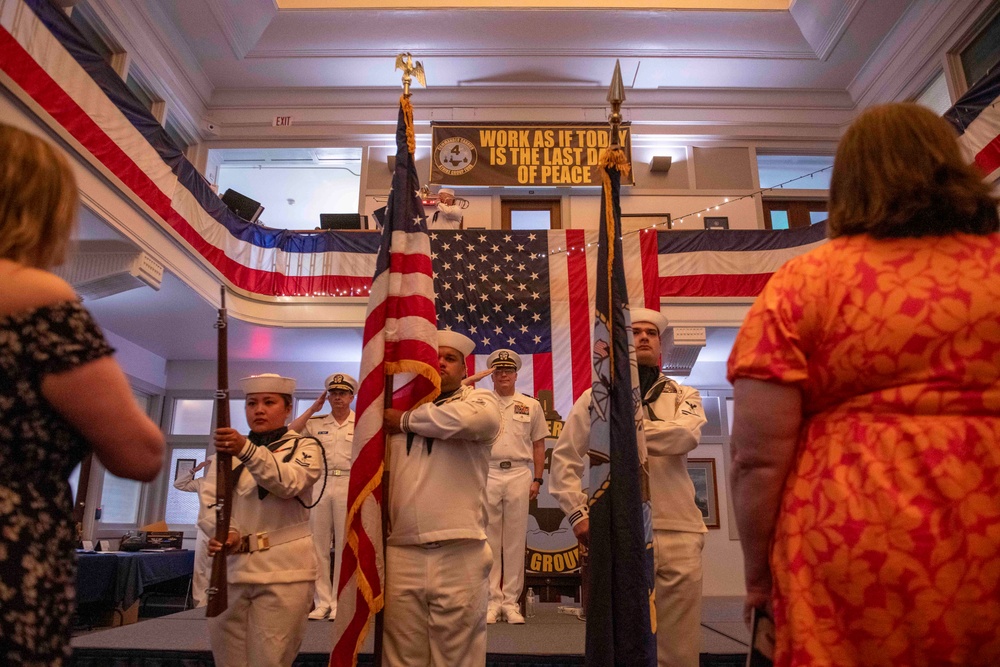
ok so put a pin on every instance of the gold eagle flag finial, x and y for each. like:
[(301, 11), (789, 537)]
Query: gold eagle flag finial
[(411, 69)]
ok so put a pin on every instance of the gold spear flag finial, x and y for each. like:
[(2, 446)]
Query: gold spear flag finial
[(404, 61), (616, 95)]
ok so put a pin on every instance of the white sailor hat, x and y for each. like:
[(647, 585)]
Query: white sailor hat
[(267, 383), (504, 359), (446, 191), (341, 381), (654, 317), (463, 344)]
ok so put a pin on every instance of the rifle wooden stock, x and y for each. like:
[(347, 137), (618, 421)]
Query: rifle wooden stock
[(218, 597)]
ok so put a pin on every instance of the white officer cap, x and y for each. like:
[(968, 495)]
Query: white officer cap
[(654, 317), (446, 191), (341, 381), (504, 359), (267, 383), (463, 344)]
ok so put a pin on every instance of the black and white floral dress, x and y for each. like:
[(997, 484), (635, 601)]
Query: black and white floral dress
[(38, 451)]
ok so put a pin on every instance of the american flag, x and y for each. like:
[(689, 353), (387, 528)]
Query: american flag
[(400, 339), (532, 292), (976, 116)]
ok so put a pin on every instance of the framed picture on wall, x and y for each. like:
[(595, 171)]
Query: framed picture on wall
[(183, 465), (706, 493)]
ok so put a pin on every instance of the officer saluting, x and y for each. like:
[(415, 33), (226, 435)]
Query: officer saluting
[(518, 450), (335, 431)]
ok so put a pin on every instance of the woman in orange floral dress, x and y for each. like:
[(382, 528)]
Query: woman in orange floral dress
[(866, 439)]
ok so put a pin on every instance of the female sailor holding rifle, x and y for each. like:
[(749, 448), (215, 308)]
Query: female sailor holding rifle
[(272, 562)]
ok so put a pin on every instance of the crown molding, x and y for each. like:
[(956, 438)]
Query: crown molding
[(823, 23), (160, 53), (899, 67), (243, 22)]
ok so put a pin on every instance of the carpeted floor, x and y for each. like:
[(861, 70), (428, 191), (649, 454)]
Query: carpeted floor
[(548, 638)]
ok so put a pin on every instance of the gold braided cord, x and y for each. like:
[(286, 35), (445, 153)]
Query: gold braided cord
[(611, 158), (411, 139)]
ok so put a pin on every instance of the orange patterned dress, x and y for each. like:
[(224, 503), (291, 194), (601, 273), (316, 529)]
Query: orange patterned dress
[(887, 545)]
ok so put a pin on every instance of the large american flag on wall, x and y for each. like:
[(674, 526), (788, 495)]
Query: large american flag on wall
[(532, 292)]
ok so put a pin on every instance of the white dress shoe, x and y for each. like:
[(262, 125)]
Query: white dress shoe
[(492, 616), (318, 614), (513, 616)]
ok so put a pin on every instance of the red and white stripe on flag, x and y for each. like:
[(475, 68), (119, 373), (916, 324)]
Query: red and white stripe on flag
[(567, 370)]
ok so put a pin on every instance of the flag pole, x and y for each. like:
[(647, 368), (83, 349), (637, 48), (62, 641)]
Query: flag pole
[(411, 69), (380, 614)]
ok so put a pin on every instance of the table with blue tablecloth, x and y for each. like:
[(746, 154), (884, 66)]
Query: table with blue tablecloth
[(118, 579)]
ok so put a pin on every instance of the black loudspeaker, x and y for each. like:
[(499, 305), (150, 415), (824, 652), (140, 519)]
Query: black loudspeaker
[(241, 205), (379, 215), (341, 221)]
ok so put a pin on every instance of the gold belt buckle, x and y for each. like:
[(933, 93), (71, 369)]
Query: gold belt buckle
[(263, 543), (337, 472)]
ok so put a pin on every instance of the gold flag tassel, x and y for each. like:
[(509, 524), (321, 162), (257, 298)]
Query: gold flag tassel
[(411, 138)]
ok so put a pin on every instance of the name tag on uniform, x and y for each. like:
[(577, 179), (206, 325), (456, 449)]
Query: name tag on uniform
[(322, 432)]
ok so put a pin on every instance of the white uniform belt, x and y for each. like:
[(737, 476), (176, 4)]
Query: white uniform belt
[(265, 539), (508, 464), (338, 472)]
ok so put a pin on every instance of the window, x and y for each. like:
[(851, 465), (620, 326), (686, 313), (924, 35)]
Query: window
[(530, 214), (121, 499), (139, 90), (935, 96), (983, 53), (192, 416), (182, 506), (790, 171), (792, 213)]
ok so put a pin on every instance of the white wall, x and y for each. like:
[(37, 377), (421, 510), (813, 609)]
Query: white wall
[(138, 362)]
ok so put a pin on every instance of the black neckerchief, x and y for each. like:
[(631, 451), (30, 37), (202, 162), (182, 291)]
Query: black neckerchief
[(648, 375), (651, 384), (440, 400), (265, 439)]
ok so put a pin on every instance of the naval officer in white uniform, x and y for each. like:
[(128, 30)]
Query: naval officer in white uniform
[(335, 431), (437, 559), (516, 465), (672, 419)]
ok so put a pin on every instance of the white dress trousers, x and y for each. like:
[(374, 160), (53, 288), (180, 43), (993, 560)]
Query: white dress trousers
[(435, 612), (202, 571), (326, 519), (276, 613), (507, 509), (678, 597), (327, 522)]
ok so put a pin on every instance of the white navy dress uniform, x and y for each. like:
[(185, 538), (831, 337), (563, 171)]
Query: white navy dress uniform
[(327, 517), (522, 422), (272, 574), (673, 418), (437, 558), (186, 481), (448, 216)]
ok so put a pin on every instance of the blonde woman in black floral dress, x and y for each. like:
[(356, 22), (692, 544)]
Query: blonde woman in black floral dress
[(61, 395)]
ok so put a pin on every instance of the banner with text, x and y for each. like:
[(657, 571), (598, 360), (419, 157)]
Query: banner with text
[(521, 153)]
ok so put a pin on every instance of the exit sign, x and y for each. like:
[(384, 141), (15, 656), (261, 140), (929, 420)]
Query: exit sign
[(282, 121)]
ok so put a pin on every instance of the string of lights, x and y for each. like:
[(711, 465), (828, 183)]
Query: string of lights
[(364, 291), (698, 213)]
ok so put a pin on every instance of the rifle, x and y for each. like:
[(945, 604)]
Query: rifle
[(218, 598)]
